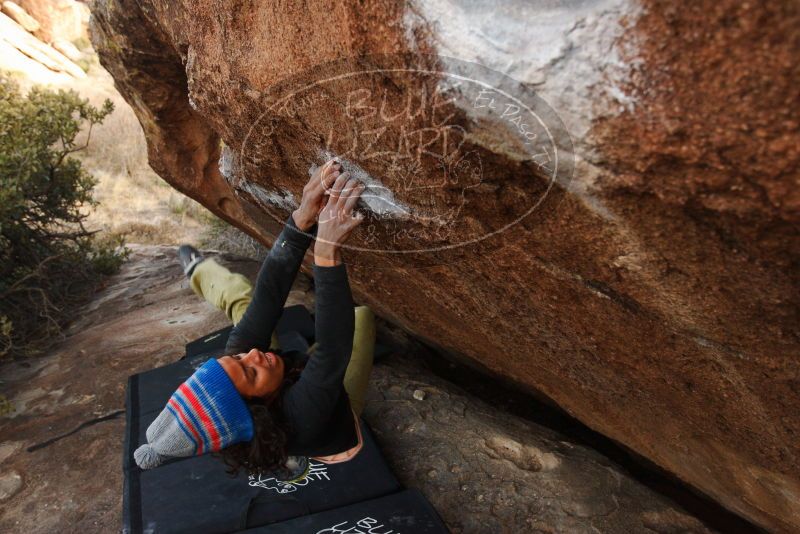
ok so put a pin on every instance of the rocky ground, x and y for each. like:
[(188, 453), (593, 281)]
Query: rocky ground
[(484, 469)]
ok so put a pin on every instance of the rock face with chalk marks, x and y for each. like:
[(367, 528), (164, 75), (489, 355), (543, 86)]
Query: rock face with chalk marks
[(615, 230)]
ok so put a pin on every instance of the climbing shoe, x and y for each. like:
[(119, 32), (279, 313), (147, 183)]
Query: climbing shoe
[(189, 258)]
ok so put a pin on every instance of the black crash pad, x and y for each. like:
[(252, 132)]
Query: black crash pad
[(196, 495), (406, 512)]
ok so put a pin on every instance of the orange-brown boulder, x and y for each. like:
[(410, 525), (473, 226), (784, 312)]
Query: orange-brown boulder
[(57, 19), (597, 200)]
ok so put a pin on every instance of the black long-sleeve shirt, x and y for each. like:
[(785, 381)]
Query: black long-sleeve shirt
[(316, 407)]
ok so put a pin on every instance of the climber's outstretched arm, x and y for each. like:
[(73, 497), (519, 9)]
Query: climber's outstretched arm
[(321, 382), (281, 265), (272, 287)]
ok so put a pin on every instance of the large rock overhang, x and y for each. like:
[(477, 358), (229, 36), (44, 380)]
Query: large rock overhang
[(648, 285)]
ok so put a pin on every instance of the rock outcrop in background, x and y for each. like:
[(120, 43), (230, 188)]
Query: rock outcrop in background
[(37, 39), (648, 284), (55, 20)]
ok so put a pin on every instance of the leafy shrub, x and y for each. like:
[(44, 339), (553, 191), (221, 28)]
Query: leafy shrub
[(49, 262)]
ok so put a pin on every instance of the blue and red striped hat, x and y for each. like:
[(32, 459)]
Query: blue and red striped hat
[(205, 414)]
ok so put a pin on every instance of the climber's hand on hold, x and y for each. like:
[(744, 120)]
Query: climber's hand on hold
[(314, 194), (337, 220)]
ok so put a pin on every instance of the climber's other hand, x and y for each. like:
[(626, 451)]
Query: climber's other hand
[(337, 220), (314, 197)]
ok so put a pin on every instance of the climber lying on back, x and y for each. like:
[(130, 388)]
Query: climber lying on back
[(258, 406)]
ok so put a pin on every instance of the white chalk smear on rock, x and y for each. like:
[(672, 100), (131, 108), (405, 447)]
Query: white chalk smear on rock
[(376, 197), (281, 198)]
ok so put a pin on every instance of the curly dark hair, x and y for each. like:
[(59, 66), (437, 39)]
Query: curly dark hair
[(266, 452)]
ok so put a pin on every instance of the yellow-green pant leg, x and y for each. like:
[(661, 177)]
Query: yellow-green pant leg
[(230, 292), (356, 378)]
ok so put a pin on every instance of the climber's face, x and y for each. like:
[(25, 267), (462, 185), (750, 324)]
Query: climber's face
[(254, 374)]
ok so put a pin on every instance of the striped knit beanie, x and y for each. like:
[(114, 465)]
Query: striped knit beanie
[(205, 414)]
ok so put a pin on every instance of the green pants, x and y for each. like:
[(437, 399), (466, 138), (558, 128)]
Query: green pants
[(232, 292)]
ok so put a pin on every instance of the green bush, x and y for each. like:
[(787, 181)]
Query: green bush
[(49, 262)]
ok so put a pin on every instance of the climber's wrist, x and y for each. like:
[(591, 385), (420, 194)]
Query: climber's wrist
[(327, 255), (302, 222)]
